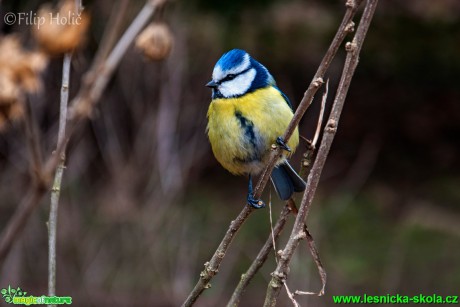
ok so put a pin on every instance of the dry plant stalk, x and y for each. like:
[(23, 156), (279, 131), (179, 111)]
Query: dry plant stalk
[(212, 266), (299, 231), (73, 36), (56, 189), (94, 83)]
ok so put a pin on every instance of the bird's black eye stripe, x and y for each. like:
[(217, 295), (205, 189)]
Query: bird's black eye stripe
[(233, 76), (229, 77)]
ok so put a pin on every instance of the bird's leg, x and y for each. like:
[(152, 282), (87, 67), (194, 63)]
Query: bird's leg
[(255, 203), (281, 143)]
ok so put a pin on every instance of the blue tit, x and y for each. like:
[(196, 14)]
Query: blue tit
[(248, 113)]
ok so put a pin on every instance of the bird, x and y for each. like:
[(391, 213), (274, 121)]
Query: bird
[(247, 114)]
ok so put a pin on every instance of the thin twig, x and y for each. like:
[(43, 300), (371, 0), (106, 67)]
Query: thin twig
[(291, 296), (305, 169), (280, 274), (271, 223), (319, 265), (261, 257), (311, 150), (94, 84), (320, 118), (55, 191), (111, 31), (96, 80), (211, 267)]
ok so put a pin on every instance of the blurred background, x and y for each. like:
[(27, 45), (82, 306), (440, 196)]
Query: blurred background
[(144, 203)]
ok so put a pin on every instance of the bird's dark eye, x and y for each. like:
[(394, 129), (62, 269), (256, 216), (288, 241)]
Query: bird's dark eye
[(229, 77)]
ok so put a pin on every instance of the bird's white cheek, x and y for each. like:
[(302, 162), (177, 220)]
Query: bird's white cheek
[(239, 85)]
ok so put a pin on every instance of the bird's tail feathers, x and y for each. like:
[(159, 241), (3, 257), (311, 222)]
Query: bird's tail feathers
[(286, 181)]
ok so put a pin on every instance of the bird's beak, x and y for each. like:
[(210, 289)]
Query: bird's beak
[(212, 84)]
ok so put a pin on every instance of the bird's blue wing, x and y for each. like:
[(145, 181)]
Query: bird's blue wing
[(284, 96), (272, 82)]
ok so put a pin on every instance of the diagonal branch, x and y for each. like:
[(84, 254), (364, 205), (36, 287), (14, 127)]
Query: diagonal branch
[(298, 233), (261, 257)]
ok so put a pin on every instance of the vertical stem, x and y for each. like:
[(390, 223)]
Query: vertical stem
[(55, 192)]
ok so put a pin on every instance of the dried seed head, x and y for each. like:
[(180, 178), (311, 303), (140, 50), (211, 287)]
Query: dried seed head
[(19, 74), (62, 30), (20, 66), (11, 97), (155, 41)]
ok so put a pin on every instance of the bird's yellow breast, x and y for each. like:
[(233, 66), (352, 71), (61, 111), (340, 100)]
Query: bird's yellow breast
[(241, 130)]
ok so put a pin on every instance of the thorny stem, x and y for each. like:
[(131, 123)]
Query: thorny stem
[(280, 274), (211, 267)]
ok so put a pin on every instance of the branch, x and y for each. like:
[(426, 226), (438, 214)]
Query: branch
[(314, 253), (111, 31), (261, 257), (280, 274), (55, 191), (96, 80), (211, 267)]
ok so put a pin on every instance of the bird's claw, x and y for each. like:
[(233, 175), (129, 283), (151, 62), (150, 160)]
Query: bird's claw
[(282, 144), (255, 203)]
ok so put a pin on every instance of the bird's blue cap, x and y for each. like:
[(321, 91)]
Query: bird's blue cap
[(235, 62), (231, 59)]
